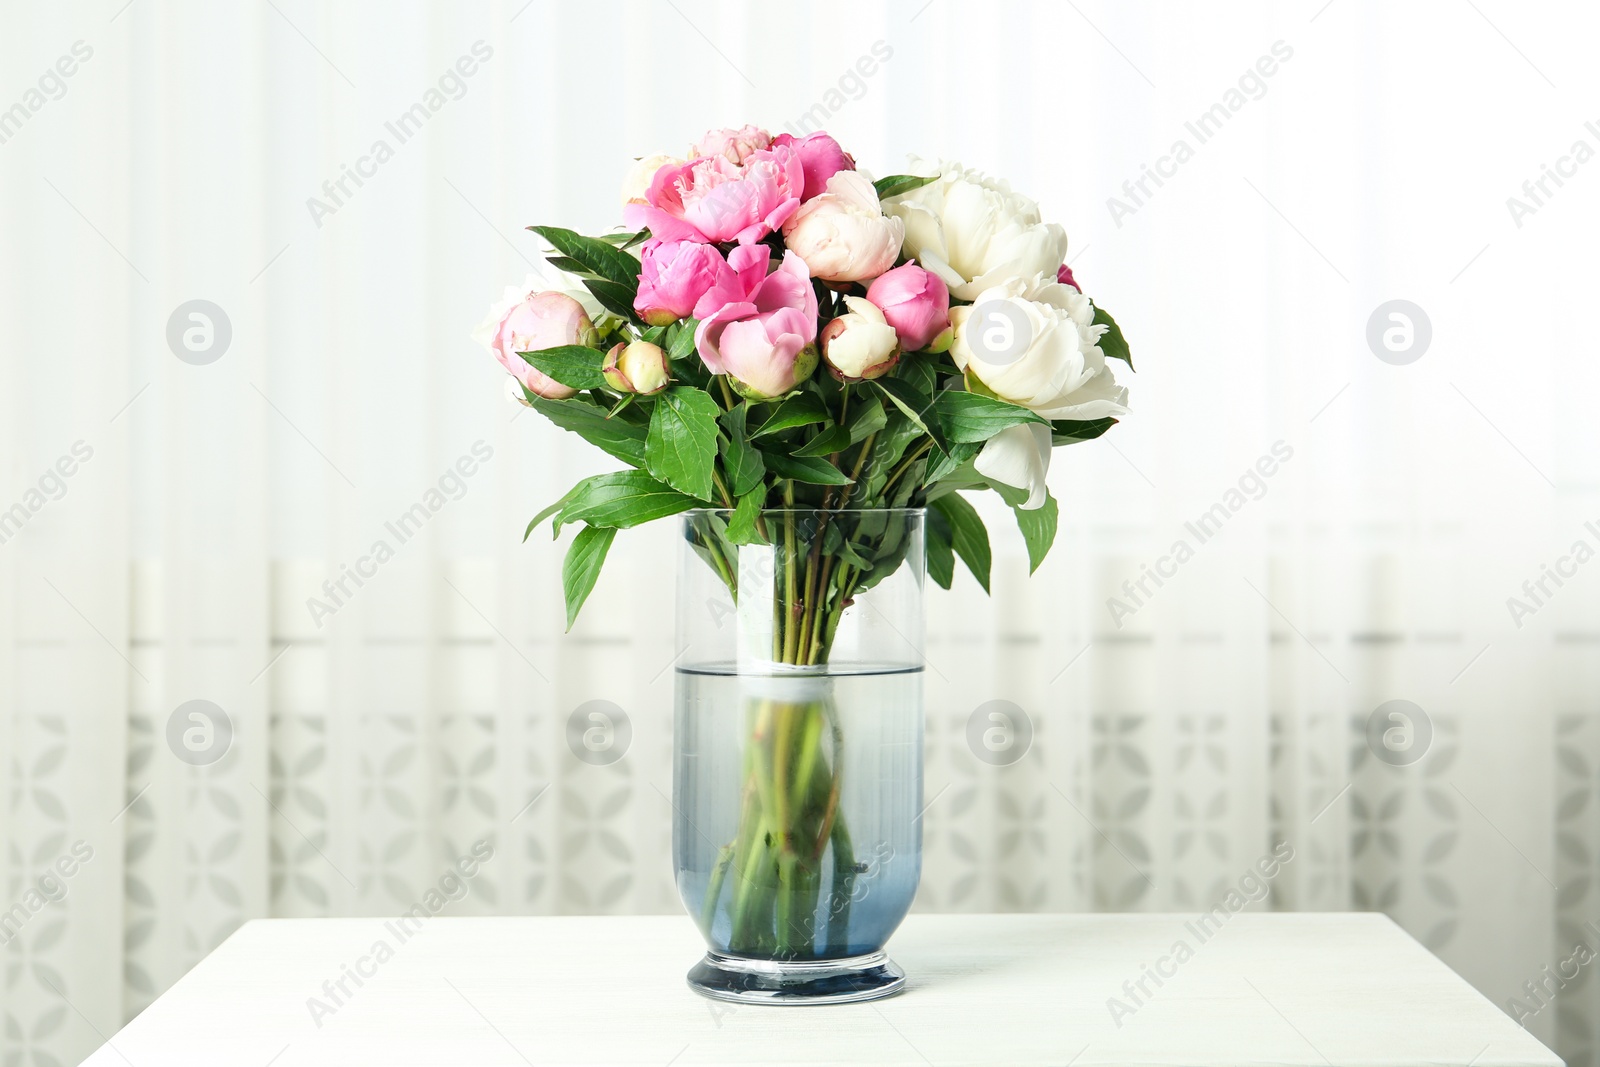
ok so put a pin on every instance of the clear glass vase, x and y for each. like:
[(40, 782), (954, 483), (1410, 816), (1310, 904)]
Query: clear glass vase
[(797, 749)]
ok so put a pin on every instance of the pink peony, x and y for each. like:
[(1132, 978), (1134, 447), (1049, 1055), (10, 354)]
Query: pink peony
[(712, 200), (1064, 276), (526, 321), (733, 145), (757, 327), (915, 302), (674, 276), (821, 157)]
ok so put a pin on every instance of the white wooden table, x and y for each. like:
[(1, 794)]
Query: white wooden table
[(1318, 990)]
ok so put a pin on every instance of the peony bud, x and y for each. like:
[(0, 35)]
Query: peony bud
[(915, 302), (859, 345), (526, 320), (1064, 276), (637, 367)]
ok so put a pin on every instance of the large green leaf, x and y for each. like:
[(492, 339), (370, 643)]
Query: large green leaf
[(916, 405), (680, 338), (681, 446), (804, 469), (1112, 343), (866, 417), (1038, 530), (617, 436), (829, 440), (1066, 431), (550, 510), (598, 257), (968, 536), (895, 184), (575, 366), (802, 409), (969, 418), (613, 296), (941, 558), (957, 460), (742, 528), (582, 566), (740, 459), (623, 499)]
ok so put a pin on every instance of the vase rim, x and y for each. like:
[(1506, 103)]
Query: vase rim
[(813, 511)]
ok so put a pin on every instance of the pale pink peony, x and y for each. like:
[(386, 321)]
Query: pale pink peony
[(734, 145), (843, 235), (759, 328)]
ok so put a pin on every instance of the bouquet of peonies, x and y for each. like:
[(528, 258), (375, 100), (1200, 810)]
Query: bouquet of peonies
[(954, 345), (798, 354)]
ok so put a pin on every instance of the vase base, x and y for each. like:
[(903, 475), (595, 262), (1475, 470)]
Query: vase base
[(745, 981)]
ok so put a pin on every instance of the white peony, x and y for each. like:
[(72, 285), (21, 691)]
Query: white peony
[(636, 183), (842, 233), (973, 231), (1034, 344)]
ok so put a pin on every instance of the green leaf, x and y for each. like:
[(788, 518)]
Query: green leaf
[(895, 184), (614, 297), (804, 469), (826, 443), (742, 528), (547, 512), (623, 240), (968, 536), (916, 406), (680, 338), (575, 366), (940, 556), (623, 499), (802, 409), (922, 374), (598, 257), (681, 446), (947, 463), (1038, 530), (866, 417), (617, 436), (1066, 431), (582, 566), (968, 418), (740, 459), (571, 266), (1112, 343)]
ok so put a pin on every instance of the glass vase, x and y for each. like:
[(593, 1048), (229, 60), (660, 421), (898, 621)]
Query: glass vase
[(797, 748)]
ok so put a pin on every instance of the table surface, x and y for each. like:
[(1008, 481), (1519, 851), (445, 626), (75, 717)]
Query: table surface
[(1318, 990)]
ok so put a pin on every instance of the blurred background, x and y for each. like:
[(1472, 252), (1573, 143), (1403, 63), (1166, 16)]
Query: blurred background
[(238, 269)]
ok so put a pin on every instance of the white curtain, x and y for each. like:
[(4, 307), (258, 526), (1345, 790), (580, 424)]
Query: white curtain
[(231, 154)]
